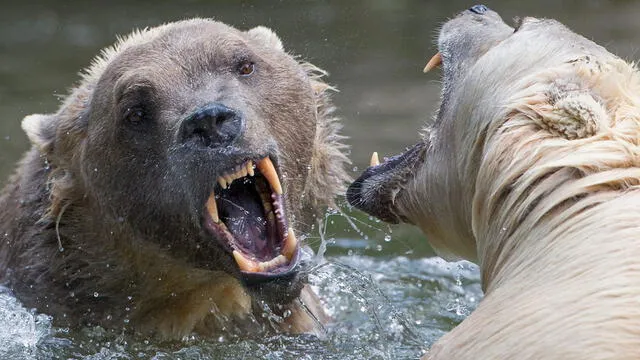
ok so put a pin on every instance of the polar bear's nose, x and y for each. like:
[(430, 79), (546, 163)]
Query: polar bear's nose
[(478, 9), (214, 125)]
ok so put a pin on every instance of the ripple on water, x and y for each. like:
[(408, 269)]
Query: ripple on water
[(389, 308)]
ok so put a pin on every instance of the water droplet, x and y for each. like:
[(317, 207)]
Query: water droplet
[(95, 294), (387, 238), (379, 247)]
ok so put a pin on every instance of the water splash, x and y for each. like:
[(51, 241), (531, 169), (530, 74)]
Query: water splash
[(384, 307), (371, 317), (21, 330)]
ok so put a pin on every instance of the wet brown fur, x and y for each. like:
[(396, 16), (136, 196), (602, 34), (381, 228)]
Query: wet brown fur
[(109, 271)]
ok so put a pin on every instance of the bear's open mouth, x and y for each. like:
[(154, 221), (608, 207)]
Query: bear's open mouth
[(246, 213)]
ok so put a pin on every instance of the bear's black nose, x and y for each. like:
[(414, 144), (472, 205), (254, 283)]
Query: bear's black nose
[(213, 125), (478, 9)]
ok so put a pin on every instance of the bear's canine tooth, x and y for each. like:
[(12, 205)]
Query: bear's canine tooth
[(375, 161), (245, 264), (250, 168), (269, 172), (212, 208), (290, 244), (435, 61)]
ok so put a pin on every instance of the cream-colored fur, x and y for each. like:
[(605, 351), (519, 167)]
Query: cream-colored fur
[(536, 178)]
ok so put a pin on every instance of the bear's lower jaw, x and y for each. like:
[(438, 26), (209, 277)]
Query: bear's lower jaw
[(248, 218), (377, 188)]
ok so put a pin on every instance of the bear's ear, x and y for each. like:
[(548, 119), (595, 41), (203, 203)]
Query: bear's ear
[(574, 114), (266, 37), (41, 130)]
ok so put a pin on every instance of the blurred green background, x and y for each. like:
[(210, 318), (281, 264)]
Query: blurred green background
[(374, 51)]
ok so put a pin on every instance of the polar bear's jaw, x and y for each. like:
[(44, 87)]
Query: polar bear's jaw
[(462, 41), (376, 189)]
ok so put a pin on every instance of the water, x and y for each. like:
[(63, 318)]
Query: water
[(389, 297), (383, 308)]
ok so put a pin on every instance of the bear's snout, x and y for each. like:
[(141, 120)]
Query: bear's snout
[(213, 125)]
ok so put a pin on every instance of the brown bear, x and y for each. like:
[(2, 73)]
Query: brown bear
[(167, 194), (532, 170)]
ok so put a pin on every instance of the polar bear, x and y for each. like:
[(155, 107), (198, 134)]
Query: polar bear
[(531, 169)]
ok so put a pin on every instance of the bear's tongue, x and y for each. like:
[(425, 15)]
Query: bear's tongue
[(241, 210)]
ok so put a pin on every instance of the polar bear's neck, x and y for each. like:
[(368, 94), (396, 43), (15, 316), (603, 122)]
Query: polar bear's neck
[(537, 186), (547, 207)]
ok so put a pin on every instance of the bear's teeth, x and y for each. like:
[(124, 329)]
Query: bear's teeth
[(277, 261), (241, 171), (212, 208), (228, 179), (249, 166), (222, 182), (290, 244), (375, 161), (249, 265), (435, 61), (245, 264), (269, 172)]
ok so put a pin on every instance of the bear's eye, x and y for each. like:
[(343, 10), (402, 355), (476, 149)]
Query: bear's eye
[(246, 68), (134, 116)]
